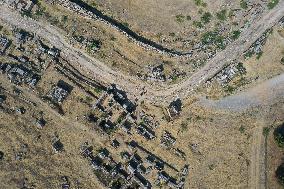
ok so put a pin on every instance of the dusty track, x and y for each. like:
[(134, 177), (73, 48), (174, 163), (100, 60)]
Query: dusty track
[(132, 85)]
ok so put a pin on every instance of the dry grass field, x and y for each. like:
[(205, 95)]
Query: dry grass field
[(224, 131)]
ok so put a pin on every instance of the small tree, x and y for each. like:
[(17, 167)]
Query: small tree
[(244, 4), (222, 15), (279, 135), (280, 173)]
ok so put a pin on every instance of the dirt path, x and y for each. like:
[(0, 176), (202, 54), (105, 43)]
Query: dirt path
[(257, 179), (263, 94), (132, 85)]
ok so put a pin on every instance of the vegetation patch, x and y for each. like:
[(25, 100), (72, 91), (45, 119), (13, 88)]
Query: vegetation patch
[(180, 18), (279, 135), (222, 15), (206, 17), (272, 4), (235, 34), (198, 24), (244, 4), (213, 38), (280, 174), (200, 3)]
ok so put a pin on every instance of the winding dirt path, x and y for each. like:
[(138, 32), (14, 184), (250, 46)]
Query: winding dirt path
[(132, 85)]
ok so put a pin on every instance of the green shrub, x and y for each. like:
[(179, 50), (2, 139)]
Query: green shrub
[(206, 17), (279, 135), (282, 60), (180, 18), (242, 129), (244, 4), (213, 38), (198, 24), (200, 3), (235, 34), (280, 174), (222, 15), (266, 131), (64, 18), (258, 55), (272, 4)]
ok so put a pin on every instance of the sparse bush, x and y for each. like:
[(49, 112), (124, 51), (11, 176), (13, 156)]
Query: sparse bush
[(244, 4), (229, 89), (184, 126), (64, 18), (279, 135), (272, 4), (172, 34), (206, 17), (242, 129), (113, 38), (280, 173), (125, 24), (235, 34), (26, 13), (222, 15), (94, 45), (197, 24), (282, 60), (248, 54), (266, 131), (213, 38), (200, 3), (211, 166), (180, 18)]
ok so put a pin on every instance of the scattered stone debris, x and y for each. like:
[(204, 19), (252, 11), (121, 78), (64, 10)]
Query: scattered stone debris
[(125, 155), (175, 108), (22, 152), (256, 47), (115, 143), (145, 131), (103, 153), (230, 72), (148, 120), (58, 146), (21, 110), (60, 92), (167, 140), (281, 22), (19, 74), (40, 123), (156, 73), (179, 153), (4, 44), (54, 52), (121, 97), (194, 148), (2, 98), (65, 182), (22, 36)]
